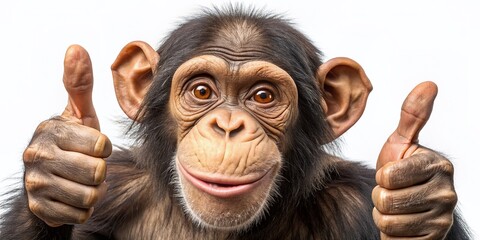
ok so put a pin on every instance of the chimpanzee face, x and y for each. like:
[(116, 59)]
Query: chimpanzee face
[(232, 117)]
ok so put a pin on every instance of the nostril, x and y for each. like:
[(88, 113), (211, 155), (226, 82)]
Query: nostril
[(218, 129), (224, 131), (236, 131), (224, 124)]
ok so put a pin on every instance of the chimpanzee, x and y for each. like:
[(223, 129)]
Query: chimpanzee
[(235, 118)]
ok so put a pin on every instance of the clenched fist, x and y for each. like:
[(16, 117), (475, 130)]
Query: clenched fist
[(415, 197), (64, 167)]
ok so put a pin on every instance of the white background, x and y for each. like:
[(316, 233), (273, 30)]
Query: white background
[(399, 44)]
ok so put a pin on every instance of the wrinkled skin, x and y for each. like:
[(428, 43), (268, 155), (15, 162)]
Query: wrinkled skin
[(231, 118)]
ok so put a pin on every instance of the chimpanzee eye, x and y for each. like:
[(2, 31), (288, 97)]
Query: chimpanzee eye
[(202, 92), (263, 96)]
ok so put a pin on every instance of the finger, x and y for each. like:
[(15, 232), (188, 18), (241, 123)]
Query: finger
[(410, 200), (413, 170), (79, 168), (437, 197), (416, 110), (75, 194), (84, 140), (70, 136), (74, 166), (424, 225), (56, 213), (78, 81), (407, 225), (49, 186)]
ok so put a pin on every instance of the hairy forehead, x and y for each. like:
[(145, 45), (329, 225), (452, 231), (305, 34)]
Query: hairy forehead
[(238, 41), (240, 36), (240, 33)]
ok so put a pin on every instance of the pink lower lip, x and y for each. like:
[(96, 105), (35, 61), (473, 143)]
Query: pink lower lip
[(220, 190)]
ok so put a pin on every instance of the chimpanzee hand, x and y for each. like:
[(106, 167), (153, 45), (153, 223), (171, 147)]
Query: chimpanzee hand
[(64, 169), (415, 197)]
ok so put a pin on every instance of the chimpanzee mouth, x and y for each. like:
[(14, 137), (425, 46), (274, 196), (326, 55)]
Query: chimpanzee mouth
[(223, 186)]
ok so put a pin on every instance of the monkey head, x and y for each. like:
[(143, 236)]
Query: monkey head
[(231, 104)]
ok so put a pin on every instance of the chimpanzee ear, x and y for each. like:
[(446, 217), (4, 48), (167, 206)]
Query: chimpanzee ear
[(345, 89), (132, 75)]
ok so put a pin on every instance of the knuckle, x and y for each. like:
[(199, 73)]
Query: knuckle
[(384, 201), (34, 206), (425, 157), (445, 222), (384, 224), (389, 175), (44, 129), (42, 126), (33, 182), (41, 146), (35, 153), (29, 154), (447, 167), (51, 129), (382, 221), (440, 227), (441, 164), (448, 199)]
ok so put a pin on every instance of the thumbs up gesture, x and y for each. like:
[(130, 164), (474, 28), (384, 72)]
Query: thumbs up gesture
[(64, 167), (415, 197)]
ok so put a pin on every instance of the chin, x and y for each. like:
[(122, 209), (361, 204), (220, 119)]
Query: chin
[(226, 204)]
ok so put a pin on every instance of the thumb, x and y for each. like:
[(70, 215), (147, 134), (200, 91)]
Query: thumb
[(416, 110), (78, 81)]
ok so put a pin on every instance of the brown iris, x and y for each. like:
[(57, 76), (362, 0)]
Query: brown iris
[(202, 92), (263, 96)]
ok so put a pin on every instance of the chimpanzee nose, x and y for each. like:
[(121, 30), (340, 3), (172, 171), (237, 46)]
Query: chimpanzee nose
[(230, 124)]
